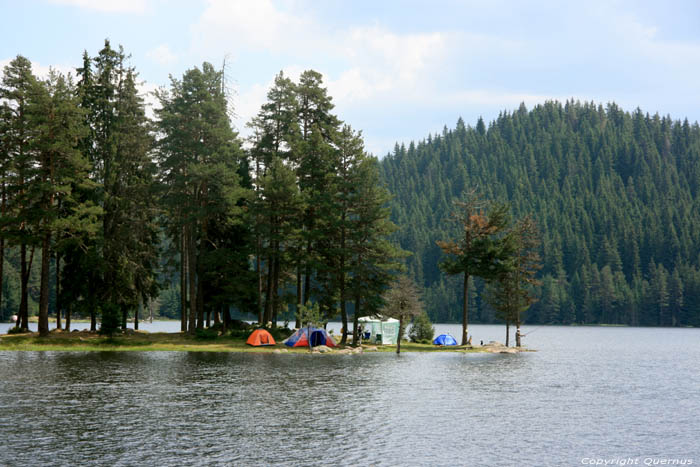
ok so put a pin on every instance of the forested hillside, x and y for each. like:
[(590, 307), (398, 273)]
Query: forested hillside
[(615, 195)]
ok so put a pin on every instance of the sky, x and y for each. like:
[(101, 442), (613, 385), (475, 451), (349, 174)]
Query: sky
[(397, 70)]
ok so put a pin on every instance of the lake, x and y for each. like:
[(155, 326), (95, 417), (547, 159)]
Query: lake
[(589, 394)]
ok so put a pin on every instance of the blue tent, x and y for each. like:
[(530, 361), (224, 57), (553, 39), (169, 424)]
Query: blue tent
[(316, 336), (444, 339)]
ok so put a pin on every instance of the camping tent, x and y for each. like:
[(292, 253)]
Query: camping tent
[(380, 330), (445, 339), (260, 337), (317, 336)]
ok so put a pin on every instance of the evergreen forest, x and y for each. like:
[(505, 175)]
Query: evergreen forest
[(110, 215), (614, 195)]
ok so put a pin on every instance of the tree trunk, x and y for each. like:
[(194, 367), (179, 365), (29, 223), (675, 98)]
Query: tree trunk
[(343, 304), (398, 340), (136, 316), (465, 310), (208, 313), (58, 291), (44, 286), (192, 278), (226, 317), (355, 323), (125, 316), (183, 281), (268, 292), (258, 270), (200, 299), (2, 261), (307, 277), (68, 308), (276, 287), (2, 240), (216, 316), (517, 334), (507, 332), (93, 319), (22, 319), (297, 323)]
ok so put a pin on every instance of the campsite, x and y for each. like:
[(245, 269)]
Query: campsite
[(237, 341)]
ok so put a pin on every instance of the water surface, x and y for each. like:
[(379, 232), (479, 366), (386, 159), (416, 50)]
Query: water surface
[(587, 393)]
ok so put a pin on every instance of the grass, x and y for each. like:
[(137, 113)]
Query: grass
[(141, 341)]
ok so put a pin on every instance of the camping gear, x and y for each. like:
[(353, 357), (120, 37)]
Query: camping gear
[(444, 339), (380, 330), (317, 336), (260, 337)]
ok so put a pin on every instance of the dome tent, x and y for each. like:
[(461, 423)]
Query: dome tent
[(317, 336), (444, 339), (260, 337)]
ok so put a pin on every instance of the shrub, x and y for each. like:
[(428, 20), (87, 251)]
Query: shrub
[(206, 333), (110, 318), (422, 329), (16, 330), (280, 334)]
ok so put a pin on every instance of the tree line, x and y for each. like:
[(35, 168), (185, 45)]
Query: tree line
[(120, 210), (614, 195)]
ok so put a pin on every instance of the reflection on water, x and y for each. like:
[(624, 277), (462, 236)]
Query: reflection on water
[(586, 392)]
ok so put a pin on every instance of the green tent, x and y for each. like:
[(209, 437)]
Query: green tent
[(379, 330)]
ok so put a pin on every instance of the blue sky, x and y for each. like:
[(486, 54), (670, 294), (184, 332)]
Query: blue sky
[(397, 70)]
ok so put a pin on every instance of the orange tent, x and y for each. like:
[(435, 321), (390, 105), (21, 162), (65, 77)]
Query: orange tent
[(260, 337)]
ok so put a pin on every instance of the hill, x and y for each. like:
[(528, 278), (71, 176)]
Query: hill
[(615, 195)]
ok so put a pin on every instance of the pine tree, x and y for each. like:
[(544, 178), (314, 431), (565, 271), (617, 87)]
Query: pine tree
[(200, 161), (482, 251), (58, 125), (17, 93), (402, 302)]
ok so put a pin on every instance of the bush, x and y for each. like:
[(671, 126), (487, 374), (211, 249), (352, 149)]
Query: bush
[(280, 334), (422, 329), (16, 330), (110, 318), (206, 333)]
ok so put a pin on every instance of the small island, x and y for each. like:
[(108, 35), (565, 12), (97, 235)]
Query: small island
[(86, 341)]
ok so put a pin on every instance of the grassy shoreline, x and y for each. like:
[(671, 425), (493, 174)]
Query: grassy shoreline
[(141, 341)]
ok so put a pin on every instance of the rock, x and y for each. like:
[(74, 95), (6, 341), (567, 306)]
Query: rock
[(323, 349), (357, 350), (281, 350), (345, 351), (372, 348)]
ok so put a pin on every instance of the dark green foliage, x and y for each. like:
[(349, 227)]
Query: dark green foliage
[(111, 317), (422, 329), (206, 333), (615, 196)]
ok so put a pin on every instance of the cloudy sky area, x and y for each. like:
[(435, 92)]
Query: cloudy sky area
[(397, 70)]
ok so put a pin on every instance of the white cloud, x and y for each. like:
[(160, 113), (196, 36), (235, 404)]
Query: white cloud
[(162, 55), (40, 70), (258, 25), (107, 6)]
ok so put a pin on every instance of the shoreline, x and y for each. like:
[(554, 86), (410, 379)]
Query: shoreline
[(143, 341)]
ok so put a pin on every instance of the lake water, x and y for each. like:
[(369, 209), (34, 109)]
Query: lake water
[(589, 394)]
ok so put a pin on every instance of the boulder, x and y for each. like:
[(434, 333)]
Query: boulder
[(323, 349)]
